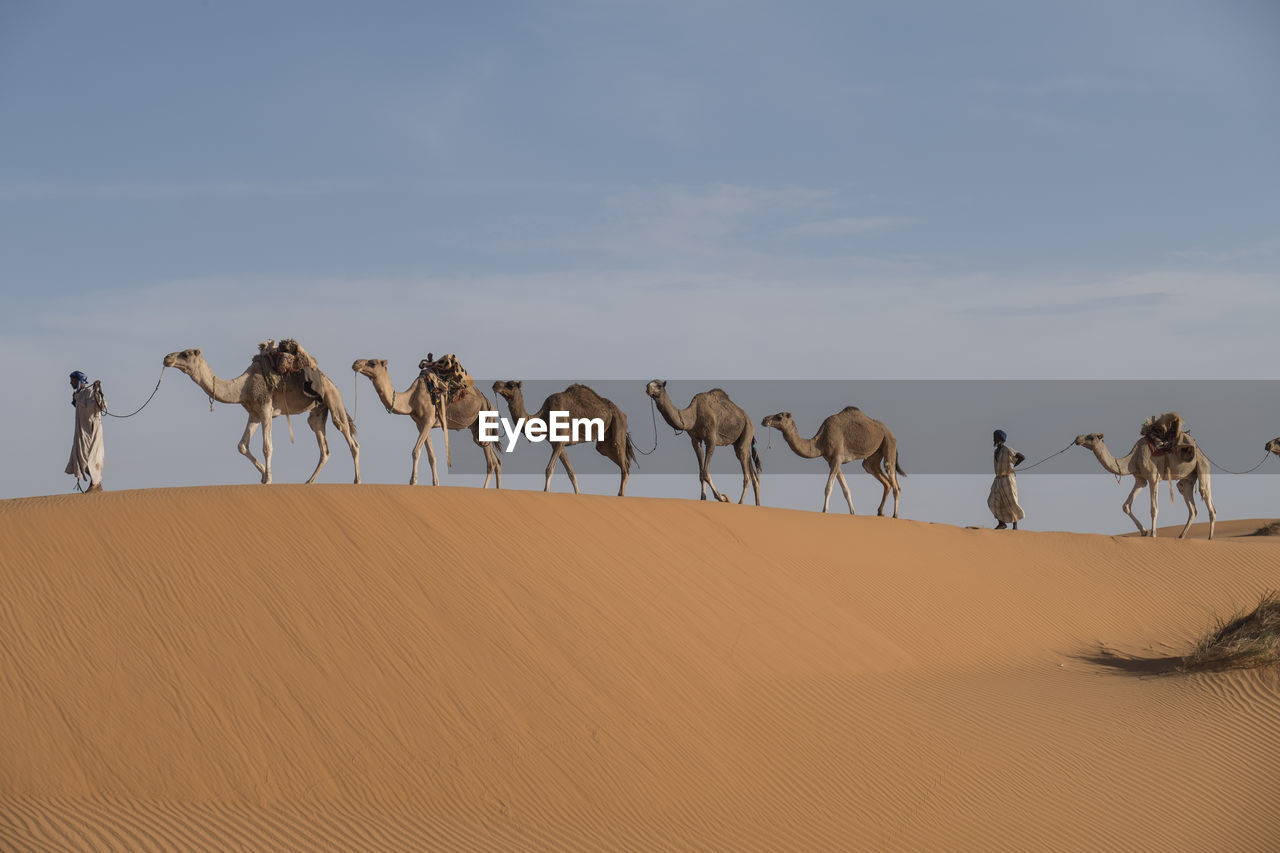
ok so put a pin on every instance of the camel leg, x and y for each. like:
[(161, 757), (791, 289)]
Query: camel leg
[(332, 401), (831, 481), (616, 452), (243, 447), (424, 437), (744, 457), (494, 461), (1208, 502), (266, 448), (873, 466), (344, 426), (558, 453), (891, 470), (316, 420), (702, 464), (1186, 489), (844, 487), (624, 468), (748, 448), (710, 448), (1155, 505), (568, 469), (488, 456), (1138, 486)]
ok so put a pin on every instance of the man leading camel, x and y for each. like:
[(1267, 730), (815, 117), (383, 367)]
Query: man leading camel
[(1003, 499), (86, 445)]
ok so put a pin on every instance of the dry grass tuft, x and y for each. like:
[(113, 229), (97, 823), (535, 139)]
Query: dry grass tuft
[(1272, 529), (1246, 641)]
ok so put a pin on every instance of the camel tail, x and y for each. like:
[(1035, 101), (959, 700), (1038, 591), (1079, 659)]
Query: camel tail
[(631, 450), (897, 466), (755, 458)]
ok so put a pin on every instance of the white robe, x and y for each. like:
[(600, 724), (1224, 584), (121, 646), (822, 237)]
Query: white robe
[(1003, 499), (86, 445)]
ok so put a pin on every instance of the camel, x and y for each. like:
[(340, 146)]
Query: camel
[(847, 435), (252, 390), (1185, 463), (1273, 446), (580, 402), (415, 401), (713, 420)]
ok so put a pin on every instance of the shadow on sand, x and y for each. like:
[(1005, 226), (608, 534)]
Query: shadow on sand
[(1127, 664)]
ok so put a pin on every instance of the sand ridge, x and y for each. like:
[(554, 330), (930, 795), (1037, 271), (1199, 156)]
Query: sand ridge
[(389, 667)]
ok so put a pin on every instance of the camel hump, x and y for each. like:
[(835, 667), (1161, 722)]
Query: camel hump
[(847, 409), (585, 394)]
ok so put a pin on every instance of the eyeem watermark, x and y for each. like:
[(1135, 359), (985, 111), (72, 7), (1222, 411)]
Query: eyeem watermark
[(942, 426), (560, 427)]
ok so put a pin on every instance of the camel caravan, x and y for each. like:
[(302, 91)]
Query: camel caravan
[(284, 379)]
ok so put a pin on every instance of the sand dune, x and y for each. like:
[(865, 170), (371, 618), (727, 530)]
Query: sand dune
[(382, 667)]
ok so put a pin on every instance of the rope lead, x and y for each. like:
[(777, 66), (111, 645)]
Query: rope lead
[(144, 405)]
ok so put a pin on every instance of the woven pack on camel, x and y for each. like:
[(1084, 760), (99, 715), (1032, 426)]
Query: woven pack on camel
[(448, 383), (1166, 432), (286, 360), (446, 377)]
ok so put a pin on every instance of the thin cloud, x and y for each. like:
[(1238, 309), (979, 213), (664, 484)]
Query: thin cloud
[(1081, 306), (849, 226), (143, 190), (1065, 84)]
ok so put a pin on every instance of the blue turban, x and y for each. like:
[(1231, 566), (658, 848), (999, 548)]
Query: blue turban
[(1000, 434), (79, 376)]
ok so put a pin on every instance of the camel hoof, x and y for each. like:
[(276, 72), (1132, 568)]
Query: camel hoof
[(724, 499)]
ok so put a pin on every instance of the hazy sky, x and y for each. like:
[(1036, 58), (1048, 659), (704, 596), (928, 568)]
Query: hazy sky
[(624, 190)]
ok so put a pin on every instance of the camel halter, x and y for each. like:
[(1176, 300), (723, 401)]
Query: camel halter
[(653, 410)]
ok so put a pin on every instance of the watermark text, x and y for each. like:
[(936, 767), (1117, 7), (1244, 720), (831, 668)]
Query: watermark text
[(558, 427)]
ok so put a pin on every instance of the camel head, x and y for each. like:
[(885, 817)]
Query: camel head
[(369, 366), (507, 390), (779, 421), (1273, 446), (184, 360), (1090, 441), (656, 388)]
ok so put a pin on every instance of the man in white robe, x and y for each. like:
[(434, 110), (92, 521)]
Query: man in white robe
[(87, 452), (1003, 499)]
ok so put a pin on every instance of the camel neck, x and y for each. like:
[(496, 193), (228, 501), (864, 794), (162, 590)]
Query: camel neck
[(515, 404), (680, 419), (222, 390), (806, 447), (1112, 464), (395, 402)]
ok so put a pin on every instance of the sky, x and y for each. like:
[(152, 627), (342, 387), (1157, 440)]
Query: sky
[(612, 190)]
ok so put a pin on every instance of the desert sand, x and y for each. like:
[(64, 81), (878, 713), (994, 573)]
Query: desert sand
[(390, 667)]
